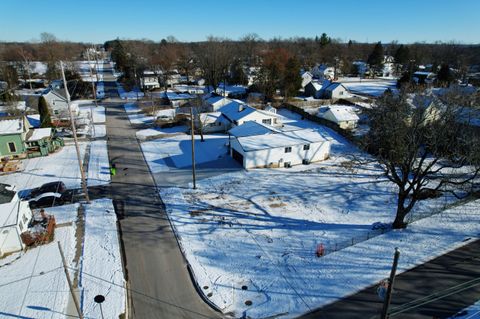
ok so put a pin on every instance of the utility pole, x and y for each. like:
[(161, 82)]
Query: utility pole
[(193, 147), (94, 91), (70, 286), (388, 297), (74, 131)]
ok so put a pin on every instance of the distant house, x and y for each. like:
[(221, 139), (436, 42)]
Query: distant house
[(421, 77), (57, 102), (316, 88), (237, 113), (278, 149), (15, 215), (211, 122), (321, 71), (335, 90), (214, 103), (41, 142), (343, 116), (149, 80), (13, 133), (307, 77), (231, 91)]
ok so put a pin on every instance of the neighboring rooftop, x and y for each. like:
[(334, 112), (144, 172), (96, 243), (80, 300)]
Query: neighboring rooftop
[(11, 126), (40, 133), (280, 139), (250, 128), (343, 113)]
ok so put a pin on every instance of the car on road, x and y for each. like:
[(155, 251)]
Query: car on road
[(52, 187), (47, 200)]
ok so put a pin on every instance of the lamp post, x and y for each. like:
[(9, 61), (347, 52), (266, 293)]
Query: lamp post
[(100, 299)]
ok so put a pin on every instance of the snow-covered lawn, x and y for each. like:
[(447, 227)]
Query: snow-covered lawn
[(98, 164), (98, 112), (101, 270), (62, 165), (370, 86), (251, 236), (178, 150), (152, 132), (35, 286)]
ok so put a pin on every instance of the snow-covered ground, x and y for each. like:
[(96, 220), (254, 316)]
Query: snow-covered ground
[(101, 269), (177, 150), (136, 116), (152, 132), (33, 284), (251, 236), (98, 164), (62, 165), (472, 312)]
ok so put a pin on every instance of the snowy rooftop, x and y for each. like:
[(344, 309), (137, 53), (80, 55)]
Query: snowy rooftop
[(212, 117), (250, 128), (280, 139), (40, 133), (236, 110), (12, 126), (220, 100), (333, 86), (343, 113)]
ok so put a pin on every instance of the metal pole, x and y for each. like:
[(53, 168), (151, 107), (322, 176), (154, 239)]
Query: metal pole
[(74, 131), (101, 311), (94, 94), (388, 297), (70, 286), (193, 148)]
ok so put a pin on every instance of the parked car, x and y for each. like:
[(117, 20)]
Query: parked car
[(47, 200), (52, 187)]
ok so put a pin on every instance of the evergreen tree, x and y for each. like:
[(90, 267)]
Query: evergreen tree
[(292, 81), (375, 59), (324, 40), (237, 74), (445, 75), (45, 117), (402, 55)]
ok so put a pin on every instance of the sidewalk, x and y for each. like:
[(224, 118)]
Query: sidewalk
[(457, 267)]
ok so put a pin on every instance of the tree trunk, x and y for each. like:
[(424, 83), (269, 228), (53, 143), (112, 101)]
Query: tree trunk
[(399, 222)]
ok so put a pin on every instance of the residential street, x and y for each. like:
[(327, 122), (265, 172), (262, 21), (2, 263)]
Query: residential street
[(159, 280), (452, 269)]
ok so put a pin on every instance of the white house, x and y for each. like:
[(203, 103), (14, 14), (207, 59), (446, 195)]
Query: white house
[(237, 113), (335, 91), (211, 122), (342, 115), (321, 71), (15, 215), (57, 102), (149, 80), (316, 88), (214, 103), (307, 77), (280, 149)]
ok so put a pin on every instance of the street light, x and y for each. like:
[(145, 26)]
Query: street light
[(100, 299)]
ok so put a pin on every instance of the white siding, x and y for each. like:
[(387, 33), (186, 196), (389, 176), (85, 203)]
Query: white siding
[(276, 157)]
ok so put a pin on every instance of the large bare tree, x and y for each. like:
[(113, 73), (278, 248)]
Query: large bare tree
[(422, 147)]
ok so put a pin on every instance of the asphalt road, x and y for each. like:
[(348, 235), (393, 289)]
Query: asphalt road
[(459, 266), (159, 280)]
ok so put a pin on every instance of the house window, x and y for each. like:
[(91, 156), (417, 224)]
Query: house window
[(288, 149), (11, 147), (287, 164), (341, 93), (306, 147), (267, 121)]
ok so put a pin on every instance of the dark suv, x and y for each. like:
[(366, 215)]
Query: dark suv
[(52, 187)]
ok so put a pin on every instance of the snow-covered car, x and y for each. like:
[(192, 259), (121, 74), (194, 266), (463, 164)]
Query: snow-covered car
[(47, 200)]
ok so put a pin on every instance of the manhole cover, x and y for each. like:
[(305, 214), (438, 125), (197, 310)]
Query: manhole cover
[(248, 302), (244, 287), (209, 294), (205, 287)]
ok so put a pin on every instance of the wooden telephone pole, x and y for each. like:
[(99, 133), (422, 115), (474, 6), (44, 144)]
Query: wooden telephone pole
[(74, 131), (388, 297), (193, 147), (69, 281)]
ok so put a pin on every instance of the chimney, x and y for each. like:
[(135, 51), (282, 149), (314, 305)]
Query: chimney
[(241, 107)]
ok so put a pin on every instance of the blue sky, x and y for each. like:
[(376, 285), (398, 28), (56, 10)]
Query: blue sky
[(362, 20)]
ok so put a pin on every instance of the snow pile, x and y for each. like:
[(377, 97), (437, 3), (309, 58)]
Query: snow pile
[(101, 272), (98, 164)]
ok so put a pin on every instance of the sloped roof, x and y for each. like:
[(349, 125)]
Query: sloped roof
[(218, 99), (236, 110), (335, 85), (280, 139), (250, 128), (40, 133), (343, 113), (11, 126)]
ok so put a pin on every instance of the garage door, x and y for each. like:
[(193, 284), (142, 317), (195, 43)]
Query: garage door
[(237, 156)]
